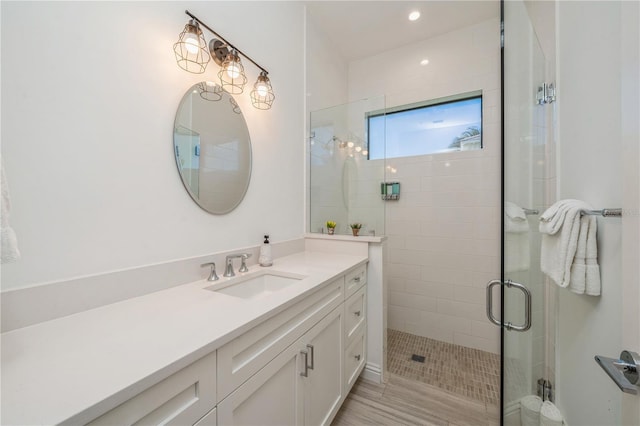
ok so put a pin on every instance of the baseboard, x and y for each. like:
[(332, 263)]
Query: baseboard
[(372, 372)]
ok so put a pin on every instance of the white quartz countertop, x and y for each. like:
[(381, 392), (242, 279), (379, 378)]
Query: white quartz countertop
[(73, 369)]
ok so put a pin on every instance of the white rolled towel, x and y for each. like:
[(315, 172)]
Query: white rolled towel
[(550, 415), (530, 406)]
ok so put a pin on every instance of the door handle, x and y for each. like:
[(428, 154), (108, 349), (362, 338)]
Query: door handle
[(623, 371), (527, 305)]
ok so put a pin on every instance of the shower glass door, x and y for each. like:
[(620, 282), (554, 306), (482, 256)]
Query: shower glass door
[(524, 352), (569, 148)]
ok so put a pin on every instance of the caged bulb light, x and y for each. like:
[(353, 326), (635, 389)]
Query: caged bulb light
[(191, 49), (262, 94), (231, 74)]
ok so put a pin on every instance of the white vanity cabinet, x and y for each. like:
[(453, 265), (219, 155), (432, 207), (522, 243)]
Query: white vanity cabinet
[(302, 385), (294, 368), (306, 383)]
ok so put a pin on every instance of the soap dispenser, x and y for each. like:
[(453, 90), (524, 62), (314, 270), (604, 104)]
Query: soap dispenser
[(265, 258)]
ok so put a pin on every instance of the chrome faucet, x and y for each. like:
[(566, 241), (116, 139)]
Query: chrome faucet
[(212, 276), (228, 270)]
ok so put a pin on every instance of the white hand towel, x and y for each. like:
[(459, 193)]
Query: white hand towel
[(550, 415), (585, 271), (530, 410), (9, 244), (569, 250)]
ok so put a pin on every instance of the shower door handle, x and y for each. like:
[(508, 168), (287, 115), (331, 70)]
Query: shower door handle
[(623, 371), (527, 305)]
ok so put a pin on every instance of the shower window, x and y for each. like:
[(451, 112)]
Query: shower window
[(439, 125)]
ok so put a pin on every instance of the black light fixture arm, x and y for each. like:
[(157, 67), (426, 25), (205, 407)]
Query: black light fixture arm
[(225, 41)]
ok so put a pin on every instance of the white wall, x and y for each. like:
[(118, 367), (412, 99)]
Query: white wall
[(589, 40), (89, 94), (444, 232)]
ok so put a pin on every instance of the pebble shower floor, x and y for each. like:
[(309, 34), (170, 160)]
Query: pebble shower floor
[(471, 373)]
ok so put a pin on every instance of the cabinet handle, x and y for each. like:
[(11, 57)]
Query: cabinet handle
[(356, 313), (357, 357), (357, 279), (312, 357), (305, 373)]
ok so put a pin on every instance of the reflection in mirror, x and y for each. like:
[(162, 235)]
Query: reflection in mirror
[(212, 148)]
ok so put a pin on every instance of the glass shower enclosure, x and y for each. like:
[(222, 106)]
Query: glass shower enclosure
[(344, 184)]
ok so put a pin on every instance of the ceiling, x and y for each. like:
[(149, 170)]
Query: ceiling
[(364, 28)]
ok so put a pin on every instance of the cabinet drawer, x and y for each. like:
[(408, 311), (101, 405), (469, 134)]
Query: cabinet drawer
[(355, 358), (241, 358), (182, 398), (354, 280), (354, 313)]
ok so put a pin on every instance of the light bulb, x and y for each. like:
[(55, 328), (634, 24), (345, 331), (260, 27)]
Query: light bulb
[(413, 16), (358, 149), (233, 71), (191, 43), (350, 144), (365, 152), (262, 90)]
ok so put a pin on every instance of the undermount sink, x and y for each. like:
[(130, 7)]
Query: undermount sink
[(256, 286)]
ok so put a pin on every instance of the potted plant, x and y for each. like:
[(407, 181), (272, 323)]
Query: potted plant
[(331, 227), (355, 228)]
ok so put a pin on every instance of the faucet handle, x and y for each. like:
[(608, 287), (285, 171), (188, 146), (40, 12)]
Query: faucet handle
[(212, 275), (243, 265)]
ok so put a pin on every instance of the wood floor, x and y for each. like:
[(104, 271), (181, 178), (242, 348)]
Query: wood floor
[(408, 402)]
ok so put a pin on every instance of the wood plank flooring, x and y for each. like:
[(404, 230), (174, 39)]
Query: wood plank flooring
[(408, 402)]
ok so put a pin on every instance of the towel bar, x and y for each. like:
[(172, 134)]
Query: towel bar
[(531, 211), (603, 212)]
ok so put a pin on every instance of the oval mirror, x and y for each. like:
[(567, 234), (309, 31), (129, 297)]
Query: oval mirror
[(212, 148)]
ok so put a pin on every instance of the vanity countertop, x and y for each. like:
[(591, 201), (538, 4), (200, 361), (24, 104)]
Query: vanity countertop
[(75, 368)]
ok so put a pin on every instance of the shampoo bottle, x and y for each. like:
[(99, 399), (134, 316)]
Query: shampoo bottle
[(265, 258)]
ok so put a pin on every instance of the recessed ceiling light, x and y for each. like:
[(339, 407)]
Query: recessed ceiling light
[(425, 61), (413, 16)]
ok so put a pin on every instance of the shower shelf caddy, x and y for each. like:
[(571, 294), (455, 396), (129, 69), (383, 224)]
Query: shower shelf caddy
[(390, 191)]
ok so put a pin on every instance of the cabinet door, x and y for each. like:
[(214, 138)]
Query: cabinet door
[(323, 388), (273, 396)]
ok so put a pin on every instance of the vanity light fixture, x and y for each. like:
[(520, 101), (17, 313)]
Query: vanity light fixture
[(192, 54)]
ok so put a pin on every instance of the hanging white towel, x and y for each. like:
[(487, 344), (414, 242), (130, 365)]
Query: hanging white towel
[(530, 406), (516, 226), (9, 250), (569, 248), (550, 415)]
